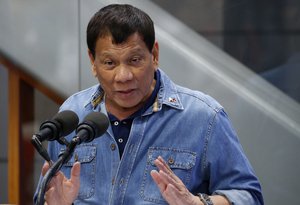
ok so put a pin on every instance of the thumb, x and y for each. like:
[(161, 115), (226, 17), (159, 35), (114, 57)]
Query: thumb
[(75, 173)]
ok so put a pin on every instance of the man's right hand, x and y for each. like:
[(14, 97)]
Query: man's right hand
[(62, 190)]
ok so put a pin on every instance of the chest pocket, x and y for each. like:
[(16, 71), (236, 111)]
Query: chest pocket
[(180, 161), (86, 155)]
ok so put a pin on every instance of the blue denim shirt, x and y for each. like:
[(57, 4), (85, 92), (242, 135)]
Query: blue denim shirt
[(189, 129)]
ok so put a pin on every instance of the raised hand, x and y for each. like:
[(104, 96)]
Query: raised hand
[(62, 190), (171, 187)]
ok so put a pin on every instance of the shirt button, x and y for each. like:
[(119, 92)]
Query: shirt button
[(120, 140), (112, 146), (116, 123), (171, 161)]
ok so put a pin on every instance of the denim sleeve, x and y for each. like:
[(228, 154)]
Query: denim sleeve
[(230, 173)]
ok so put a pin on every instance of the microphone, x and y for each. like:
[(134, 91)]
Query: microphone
[(94, 125), (62, 124)]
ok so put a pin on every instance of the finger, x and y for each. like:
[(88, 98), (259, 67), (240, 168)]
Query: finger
[(75, 173), (166, 178), (164, 163), (165, 173), (157, 179), (168, 191), (163, 166), (45, 168), (162, 179)]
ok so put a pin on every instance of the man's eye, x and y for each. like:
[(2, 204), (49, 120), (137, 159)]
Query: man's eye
[(136, 60), (108, 63)]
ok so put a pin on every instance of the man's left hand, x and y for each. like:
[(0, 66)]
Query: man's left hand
[(171, 187)]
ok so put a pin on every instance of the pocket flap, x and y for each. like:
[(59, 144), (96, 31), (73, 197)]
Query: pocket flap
[(175, 158), (83, 153)]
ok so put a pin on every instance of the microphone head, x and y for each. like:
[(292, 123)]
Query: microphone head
[(68, 121), (95, 123), (100, 122)]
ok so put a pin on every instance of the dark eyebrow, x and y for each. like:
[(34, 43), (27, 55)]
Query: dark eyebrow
[(139, 51)]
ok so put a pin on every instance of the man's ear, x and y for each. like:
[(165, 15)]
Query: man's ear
[(92, 60), (155, 54)]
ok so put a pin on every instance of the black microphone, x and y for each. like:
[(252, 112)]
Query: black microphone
[(94, 125), (62, 124)]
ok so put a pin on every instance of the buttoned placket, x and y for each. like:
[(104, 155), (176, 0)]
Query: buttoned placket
[(126, 164)]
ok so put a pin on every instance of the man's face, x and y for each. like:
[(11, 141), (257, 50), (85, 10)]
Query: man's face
[(125, 71)]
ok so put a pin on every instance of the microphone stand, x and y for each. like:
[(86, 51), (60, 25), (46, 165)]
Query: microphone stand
[(63, 158)]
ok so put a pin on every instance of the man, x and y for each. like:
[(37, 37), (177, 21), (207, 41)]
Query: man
[(166, 144)]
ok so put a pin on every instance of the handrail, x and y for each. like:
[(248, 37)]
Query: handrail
[(29, 78)]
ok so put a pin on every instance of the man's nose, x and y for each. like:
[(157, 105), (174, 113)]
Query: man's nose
[(123, 74)]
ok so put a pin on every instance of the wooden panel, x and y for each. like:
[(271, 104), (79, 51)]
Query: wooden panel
[(14, 137), (21, 152)]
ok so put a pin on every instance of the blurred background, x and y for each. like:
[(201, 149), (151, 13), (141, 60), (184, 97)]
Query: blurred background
[(244, 53)]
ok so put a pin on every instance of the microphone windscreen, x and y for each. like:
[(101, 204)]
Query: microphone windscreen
[(68, 121), (100, 122)]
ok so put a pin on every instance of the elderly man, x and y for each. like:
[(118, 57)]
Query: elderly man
[(166, 144)]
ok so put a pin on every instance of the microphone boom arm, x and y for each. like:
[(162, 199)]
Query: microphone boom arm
[(63, 158)]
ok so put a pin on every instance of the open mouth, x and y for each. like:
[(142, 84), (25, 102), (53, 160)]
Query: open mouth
[(126, 93)]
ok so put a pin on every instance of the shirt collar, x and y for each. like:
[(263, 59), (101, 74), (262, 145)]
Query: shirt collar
[(165, 92), (167, 95)]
